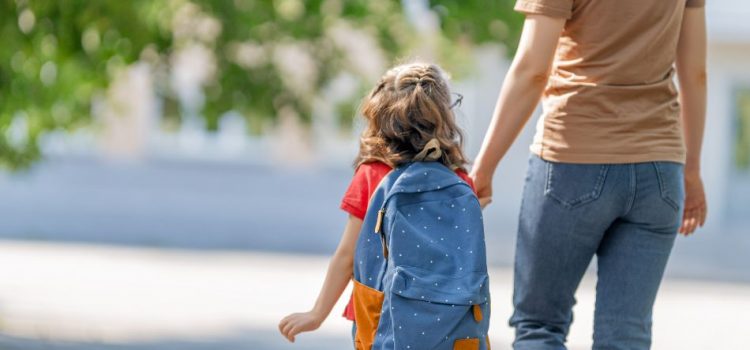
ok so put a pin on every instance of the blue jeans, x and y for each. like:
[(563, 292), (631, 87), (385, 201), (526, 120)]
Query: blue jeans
[(625, 214)]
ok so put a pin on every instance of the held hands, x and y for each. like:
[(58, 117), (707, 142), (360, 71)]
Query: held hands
[(483, 185), (297, 323), (696, 208)]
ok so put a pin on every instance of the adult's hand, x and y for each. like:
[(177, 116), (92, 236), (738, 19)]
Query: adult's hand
[(696, 208)]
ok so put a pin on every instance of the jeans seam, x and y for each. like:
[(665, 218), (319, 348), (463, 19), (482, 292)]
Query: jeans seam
[(548, 174), (633, 186), (662, 191)]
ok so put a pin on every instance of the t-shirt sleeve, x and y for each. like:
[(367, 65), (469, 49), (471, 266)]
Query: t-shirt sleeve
[(464, 176), (363, 185), (552, 8), (695, 3)]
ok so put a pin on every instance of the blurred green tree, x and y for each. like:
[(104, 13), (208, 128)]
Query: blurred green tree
[(742, 140), (58, 55), (480, 21)]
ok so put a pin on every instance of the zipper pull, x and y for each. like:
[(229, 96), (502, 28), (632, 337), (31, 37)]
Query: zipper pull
[(379, 222)]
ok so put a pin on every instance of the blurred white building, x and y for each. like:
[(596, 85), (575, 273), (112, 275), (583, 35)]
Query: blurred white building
[(727, 179)]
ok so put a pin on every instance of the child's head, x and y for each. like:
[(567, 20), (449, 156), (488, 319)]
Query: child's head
[(408, 108)]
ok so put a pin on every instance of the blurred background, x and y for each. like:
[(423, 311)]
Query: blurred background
[(172, 170)]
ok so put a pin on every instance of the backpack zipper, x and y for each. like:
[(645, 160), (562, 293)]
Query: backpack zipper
[(379, 222), (381, 214), (378, 227)]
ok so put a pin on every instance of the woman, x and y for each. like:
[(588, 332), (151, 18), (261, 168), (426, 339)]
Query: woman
[(615, 169)]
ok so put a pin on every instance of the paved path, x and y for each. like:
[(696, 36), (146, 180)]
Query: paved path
[(220, 205), (87, 297)]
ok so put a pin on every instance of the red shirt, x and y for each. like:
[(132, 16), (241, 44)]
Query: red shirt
[(357, 197)]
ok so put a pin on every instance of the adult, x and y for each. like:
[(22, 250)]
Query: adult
[(615, 169)]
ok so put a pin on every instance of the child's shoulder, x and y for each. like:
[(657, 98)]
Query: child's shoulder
[(373, 169), (376, 170)]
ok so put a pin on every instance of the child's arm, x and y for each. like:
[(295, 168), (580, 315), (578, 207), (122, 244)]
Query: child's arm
[(337, 278)]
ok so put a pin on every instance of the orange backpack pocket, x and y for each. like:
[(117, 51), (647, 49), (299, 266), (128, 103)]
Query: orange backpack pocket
[(368, 303), (466, 344)]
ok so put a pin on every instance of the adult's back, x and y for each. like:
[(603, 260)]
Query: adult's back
[(611, 95)]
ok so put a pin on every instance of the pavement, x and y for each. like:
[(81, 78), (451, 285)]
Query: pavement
[(92, 296), (220, 205)]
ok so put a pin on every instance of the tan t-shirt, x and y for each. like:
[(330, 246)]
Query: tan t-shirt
[(611, 97)]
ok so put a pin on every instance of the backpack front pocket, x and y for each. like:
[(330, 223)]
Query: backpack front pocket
[(368, 303), (430, 311), (466, 344)]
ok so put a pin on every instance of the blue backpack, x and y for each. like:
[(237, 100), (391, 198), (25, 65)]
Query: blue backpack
[(420, 270)]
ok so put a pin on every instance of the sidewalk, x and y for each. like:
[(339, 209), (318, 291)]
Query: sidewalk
[(60, 296)]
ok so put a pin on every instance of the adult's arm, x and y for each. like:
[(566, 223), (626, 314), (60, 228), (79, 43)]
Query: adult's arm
[(519, 96), (691, 72)]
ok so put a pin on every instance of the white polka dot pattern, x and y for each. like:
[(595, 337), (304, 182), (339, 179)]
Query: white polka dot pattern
[(433, 272)]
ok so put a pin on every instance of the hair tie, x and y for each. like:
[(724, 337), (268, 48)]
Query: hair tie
[(430, 152)]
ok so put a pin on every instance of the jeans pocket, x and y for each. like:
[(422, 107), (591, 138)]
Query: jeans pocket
[(671, 183), (573, 185)]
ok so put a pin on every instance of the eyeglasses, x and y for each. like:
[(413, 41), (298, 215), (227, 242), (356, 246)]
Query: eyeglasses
[(457, 102)]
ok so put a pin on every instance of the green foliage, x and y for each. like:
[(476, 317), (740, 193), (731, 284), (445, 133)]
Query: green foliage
[(58, 55), (55, 56), (742, 143), (471, 22), (258, 91)]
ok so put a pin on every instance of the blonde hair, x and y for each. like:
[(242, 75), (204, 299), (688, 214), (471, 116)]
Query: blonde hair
[(410, 110)]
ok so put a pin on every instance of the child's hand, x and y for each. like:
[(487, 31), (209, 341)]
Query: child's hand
[(297, 323), (483, 186), (484, 202)]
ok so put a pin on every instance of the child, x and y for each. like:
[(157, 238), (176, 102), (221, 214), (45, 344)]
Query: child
[(409, 118)]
